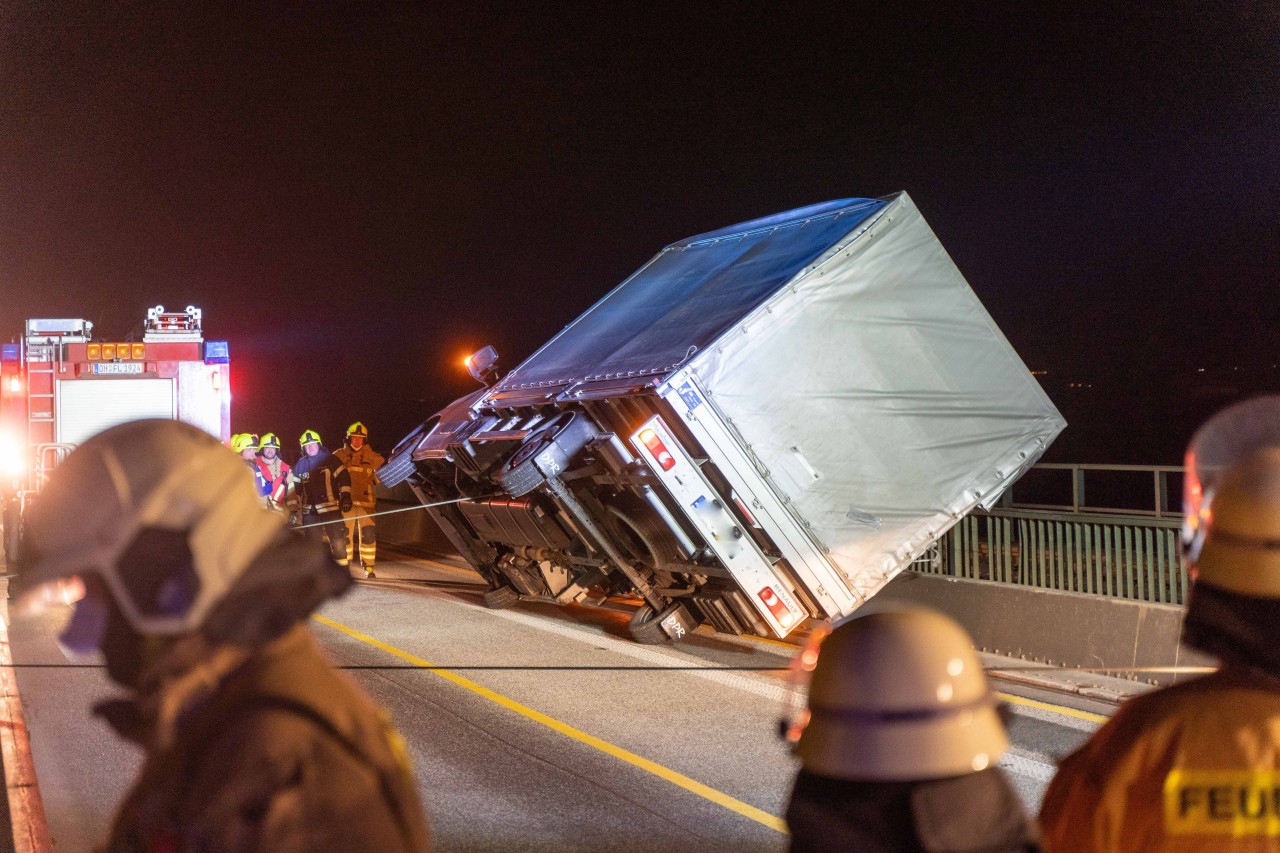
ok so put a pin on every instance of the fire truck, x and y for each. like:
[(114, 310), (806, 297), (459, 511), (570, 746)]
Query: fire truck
[(59, 386)]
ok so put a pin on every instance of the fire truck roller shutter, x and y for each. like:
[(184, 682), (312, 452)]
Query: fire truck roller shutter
[(88, 406)]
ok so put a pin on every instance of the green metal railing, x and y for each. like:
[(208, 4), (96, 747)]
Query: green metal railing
[(1130, 553)]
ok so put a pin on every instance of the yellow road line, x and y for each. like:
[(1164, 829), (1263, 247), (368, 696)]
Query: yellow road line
[(692, 785), (1057, 709)]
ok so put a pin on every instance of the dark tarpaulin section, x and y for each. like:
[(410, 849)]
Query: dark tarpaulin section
[(687, 296)]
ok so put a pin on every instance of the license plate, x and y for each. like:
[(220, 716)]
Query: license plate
[(116, 369)]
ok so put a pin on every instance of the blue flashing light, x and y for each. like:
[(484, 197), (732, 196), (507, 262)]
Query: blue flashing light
[(216, 352), (10, 352)]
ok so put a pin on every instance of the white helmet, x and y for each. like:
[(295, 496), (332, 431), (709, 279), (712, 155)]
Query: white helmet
[(898, 695), (1231, 499), (162, 512)]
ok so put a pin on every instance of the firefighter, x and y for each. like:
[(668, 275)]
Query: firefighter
[(899, 742), (323, 491), (362, 463), (247, 446), (197, 600), (1196, 766), (275, 470)]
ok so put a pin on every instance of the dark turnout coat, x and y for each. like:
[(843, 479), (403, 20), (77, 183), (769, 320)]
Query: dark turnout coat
[(287, 756)]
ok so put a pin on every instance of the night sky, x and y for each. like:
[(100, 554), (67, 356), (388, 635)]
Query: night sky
[(360, 194)]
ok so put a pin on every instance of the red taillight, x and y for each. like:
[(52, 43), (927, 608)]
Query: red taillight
[(650, 440), (776, 606)]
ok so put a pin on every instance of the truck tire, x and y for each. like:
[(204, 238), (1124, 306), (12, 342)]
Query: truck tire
[(501, 598), (399, 464), (646, 625), (396, 470), (551, 446)]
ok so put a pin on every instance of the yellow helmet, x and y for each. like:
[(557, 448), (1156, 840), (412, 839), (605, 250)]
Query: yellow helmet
[(309, 437), (242, 441), (270, 440), (359, 429), (898, 695)]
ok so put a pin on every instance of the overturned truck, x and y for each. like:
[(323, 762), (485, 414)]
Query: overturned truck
[(763, 424)]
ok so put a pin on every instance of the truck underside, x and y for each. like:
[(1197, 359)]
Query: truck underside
[(558, 508)]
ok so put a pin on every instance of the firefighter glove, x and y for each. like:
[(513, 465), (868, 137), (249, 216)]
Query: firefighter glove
[(344, 503)]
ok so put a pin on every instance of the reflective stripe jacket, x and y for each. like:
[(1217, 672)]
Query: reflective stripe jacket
[(1195, 767), (277, 472), (320, 481), (261, 483), (362, 465)]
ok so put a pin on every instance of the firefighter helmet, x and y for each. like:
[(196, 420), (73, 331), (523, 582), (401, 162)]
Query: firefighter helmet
[(309, 437), (166, 518), (898, 695), (359, 429), (242, 441), (271, 440), (1231, 499), (1241, 548)]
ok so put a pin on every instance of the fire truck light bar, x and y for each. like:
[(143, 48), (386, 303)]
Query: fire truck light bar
[(9, 352)]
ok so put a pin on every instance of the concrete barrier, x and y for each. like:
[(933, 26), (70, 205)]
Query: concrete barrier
[(1062, 628)]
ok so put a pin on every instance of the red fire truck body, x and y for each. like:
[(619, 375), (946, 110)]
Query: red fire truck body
[(59, 386)]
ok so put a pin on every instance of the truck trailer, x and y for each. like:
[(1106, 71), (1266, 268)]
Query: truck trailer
[(762, 425), (59, 386)]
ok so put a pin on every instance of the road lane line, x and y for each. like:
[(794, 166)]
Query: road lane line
[(1053, 709), (778, 692), (679, 779)]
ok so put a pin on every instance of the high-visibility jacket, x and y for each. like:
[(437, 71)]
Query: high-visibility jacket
[(321, 481), (277, 473), (260, 483), (362, 465), (1195, 767)]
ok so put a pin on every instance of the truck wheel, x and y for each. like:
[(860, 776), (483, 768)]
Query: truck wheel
[(396, 470), (501, 598), (645, 629), (564, 436)]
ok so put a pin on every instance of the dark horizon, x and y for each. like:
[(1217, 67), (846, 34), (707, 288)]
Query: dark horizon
[(360, 196)]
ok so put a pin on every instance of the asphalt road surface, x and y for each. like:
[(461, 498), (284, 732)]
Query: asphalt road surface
[(534, 728)]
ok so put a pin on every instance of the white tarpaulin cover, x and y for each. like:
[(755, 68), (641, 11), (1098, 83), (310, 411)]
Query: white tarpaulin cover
[(879, 396)]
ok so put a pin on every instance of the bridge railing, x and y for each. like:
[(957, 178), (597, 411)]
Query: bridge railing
[(1055, 539)]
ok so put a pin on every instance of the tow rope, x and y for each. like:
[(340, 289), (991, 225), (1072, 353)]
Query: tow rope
[(342, 517)]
